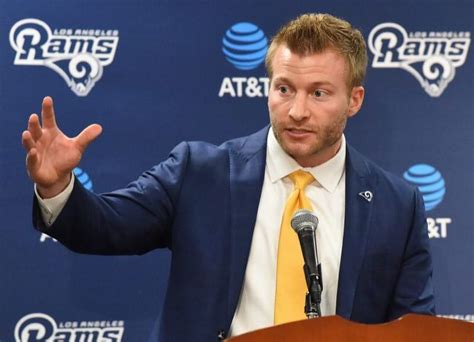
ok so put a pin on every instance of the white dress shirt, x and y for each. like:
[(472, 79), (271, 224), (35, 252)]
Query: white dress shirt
[(255, 309), (51, 207)]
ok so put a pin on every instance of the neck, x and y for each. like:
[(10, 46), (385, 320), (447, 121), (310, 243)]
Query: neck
[(321, 157)]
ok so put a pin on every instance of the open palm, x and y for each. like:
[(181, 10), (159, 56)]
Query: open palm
[(51, 155)]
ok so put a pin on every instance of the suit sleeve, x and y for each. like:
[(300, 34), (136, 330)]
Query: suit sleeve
[(414, 289), (133, 220)]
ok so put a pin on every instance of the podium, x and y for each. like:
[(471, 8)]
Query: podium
[(411, 327)]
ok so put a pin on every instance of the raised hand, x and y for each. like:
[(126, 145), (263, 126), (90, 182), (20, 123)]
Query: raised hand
[(51, 155)]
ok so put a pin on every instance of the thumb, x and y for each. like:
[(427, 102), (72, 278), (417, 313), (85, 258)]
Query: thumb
[(88, 135)]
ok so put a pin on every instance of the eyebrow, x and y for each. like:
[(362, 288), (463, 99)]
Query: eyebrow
[(282, 79)]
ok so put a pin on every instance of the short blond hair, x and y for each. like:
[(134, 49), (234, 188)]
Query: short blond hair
[(314, 33)]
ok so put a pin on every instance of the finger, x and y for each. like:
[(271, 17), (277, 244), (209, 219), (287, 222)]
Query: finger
[(32, 161), (88, 135), (34, 127), (47, 113), (27, 141)]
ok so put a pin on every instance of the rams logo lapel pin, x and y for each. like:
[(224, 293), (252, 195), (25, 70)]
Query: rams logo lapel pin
[(367, 195)]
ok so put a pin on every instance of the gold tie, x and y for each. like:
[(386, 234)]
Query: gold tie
[(290, 281)]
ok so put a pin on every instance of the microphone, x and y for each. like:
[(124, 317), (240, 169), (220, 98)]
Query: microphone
[(305, 223)]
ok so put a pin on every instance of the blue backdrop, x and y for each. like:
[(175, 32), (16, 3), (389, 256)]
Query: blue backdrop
[(154, 73)]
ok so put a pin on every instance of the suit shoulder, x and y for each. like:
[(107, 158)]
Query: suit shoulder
[(245, 146)]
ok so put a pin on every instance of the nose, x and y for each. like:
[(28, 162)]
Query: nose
[(299, 108)]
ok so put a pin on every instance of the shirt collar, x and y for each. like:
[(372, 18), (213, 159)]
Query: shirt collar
[(280, 164)]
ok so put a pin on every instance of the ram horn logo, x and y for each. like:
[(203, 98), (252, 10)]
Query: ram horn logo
[(78, 56), (431, 57)]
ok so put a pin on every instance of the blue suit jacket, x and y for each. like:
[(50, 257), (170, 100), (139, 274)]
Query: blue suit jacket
[(202, 203)]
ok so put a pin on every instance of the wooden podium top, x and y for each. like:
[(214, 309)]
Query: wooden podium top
[(416, 328)]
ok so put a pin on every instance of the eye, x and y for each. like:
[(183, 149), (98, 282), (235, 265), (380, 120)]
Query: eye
[(319, 93), (283, 89)]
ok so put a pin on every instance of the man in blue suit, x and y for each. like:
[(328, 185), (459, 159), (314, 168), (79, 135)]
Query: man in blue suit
[(219, 208)]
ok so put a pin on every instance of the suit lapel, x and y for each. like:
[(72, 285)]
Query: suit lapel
[(247, 167), (359, 205)]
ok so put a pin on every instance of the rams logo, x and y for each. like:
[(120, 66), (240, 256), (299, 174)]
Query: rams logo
[(431, 57), (78, 56)]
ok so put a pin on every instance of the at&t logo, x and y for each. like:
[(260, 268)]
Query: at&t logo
[(431, 57), (39, 327), (432, 186), (77, 55), (244, 46), (83, 178)]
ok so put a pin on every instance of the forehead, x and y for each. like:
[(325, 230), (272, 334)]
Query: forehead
[(327, 64)]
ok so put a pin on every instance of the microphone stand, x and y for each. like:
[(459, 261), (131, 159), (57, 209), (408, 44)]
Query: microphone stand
[(304, 222), (314, 282)]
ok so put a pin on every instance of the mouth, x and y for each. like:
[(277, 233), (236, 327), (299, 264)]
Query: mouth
[(298, 133)]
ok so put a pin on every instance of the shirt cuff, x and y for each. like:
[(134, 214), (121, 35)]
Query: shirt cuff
[(51, 207)]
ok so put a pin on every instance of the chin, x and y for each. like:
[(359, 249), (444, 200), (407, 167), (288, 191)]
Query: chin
[(297, 152)]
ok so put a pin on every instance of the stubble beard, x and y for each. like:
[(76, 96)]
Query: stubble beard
[(325, 138)]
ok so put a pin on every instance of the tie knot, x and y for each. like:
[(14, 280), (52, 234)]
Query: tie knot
[(301, 179)]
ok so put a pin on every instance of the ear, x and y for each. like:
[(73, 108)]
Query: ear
[(355, 101)]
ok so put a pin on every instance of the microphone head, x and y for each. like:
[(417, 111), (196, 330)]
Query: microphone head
[(304, 218)]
